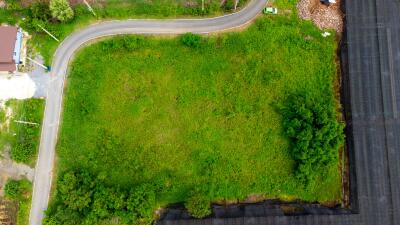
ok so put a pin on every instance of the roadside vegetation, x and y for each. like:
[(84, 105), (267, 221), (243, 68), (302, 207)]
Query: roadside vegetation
[(20, 191), (21, 129), (61, 19), (149, 122), (286, 4)]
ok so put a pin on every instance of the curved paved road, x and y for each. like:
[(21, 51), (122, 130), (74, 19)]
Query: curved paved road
[(63, 55)]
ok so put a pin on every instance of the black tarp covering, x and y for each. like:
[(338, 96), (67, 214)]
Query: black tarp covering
[(371, 99)]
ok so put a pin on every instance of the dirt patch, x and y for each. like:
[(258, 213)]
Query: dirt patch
[(11, 169), (254, 198), (323, 16), (8, 212)]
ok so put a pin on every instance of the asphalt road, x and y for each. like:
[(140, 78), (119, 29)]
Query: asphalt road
[(65, 52)]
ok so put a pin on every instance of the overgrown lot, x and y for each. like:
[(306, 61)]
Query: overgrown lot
[(21, 128), (150, 121)]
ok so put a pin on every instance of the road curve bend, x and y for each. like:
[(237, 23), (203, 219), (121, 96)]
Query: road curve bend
[(65, 52)]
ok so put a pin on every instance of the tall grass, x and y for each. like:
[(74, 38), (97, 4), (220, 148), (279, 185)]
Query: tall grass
[(182, 117), (23, 138)]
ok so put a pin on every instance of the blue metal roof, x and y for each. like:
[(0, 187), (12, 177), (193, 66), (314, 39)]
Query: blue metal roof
[(18, 46)]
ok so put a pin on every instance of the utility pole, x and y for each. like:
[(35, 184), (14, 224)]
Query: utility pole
[(37, 63), (236, 3), (24, 122), (202, 5), (47, 32), (89, 7)]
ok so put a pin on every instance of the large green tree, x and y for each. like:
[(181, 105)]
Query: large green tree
[(61, 10), (312, 126)]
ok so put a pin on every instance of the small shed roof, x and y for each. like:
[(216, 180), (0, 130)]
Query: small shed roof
[(11, 67), (8, 36)]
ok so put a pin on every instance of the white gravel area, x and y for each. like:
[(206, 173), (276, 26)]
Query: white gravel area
[(16, 87)]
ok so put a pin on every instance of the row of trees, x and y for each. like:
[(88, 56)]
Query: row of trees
[(312, 126), (84, 199)]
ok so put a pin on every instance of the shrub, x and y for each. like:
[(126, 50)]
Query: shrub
[(229, 4), (310, 123), (26, 141), (198, 205), (13, 190), (24, 149), (13, 5), (40, 10), (32, 24), (61, 10), (191, 40), (131, 43), (20, 191), (141, 201)]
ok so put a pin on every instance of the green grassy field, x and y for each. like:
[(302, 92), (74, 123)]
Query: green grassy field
[(159, 111)]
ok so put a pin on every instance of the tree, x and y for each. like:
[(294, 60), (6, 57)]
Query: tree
[(198, 205), (311, 124), (61, 10), (40, 10)]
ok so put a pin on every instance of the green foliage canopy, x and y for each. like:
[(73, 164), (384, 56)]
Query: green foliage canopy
[(40, 10), (13, 189), (61, 10), (315, 133), (83, 198)]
